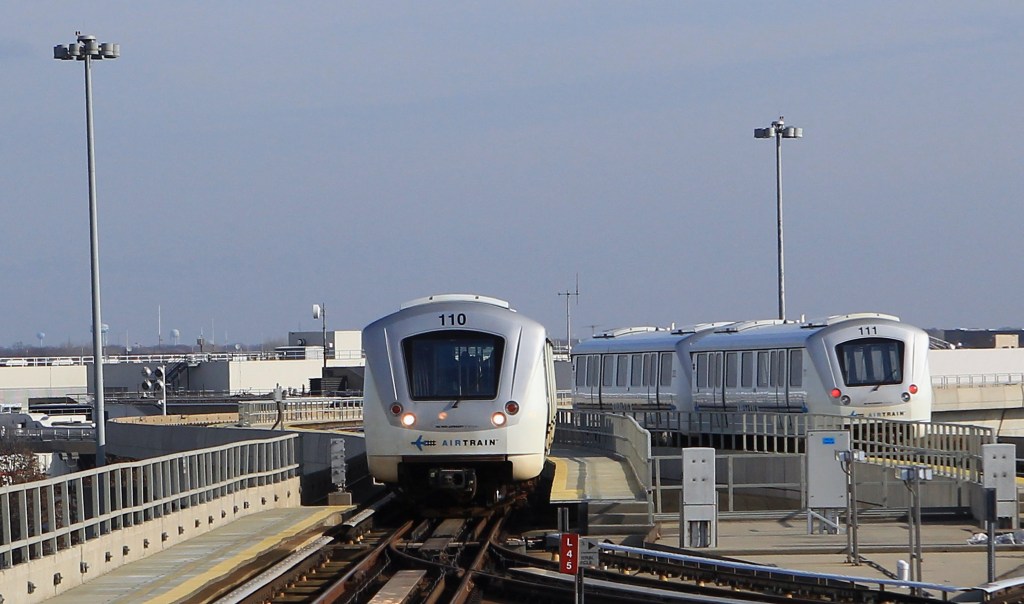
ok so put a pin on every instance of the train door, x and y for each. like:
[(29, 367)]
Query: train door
[(715, 375), (665, 393), (607, 395), (650, 381), (708, 393), (779, 382), (587, 379)]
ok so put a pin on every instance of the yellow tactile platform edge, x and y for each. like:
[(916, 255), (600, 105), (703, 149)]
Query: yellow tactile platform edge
[(224, 567)]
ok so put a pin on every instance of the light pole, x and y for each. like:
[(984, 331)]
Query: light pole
[(85, 49), (320, 312), (778, 130)]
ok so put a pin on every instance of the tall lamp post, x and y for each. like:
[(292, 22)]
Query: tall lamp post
[(86, 49), (320, 312), (778, 130)]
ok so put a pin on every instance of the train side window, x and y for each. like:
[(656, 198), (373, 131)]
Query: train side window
[(581, 371), (622, 371), (702, 371), (665, 371), (763, 367), (608, 370), (636, 361), (593, 375), (747, 369), (796, 368), (647, 369), (731, 360)]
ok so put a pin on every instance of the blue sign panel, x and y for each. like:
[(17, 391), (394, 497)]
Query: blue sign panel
[(828, 440)]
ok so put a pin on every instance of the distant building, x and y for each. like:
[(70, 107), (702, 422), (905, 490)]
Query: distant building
[(341, 345), (1005, 337)]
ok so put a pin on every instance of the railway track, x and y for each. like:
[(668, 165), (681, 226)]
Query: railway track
[(456, 559)]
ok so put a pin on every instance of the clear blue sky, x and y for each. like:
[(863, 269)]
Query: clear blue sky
[(255, 158)]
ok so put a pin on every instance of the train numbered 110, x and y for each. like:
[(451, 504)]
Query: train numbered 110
[(459, 399)]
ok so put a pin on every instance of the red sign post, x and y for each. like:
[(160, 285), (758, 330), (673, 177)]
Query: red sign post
[(568, 553)]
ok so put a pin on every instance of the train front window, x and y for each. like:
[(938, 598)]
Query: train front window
[(871, 361), (453, 365)]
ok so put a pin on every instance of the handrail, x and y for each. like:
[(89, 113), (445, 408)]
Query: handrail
[(331, 409), (43, 517), (56, 361), (977, 380)]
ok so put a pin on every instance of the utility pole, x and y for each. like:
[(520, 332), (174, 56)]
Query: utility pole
[(568, 316)]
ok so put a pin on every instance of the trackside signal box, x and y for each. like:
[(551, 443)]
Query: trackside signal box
[(698, 508)]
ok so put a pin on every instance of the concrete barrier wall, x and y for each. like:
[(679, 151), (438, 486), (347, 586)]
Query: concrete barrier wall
[(52, 575), (313, 450)]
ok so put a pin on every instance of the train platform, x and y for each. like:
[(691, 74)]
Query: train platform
[(591, 475), (183, 572), (947, 558)]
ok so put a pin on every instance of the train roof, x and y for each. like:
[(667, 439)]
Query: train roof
[(754, 333), (420, 314), (456, 298), (783, 334), (637, 339)]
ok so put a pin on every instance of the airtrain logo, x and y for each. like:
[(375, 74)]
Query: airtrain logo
[(455, 442), (420, 443)]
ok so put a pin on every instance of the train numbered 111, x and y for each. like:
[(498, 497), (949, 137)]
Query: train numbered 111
[(866, 365)]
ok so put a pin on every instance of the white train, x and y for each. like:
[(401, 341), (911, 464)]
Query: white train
[(459, 398), (866, 364)]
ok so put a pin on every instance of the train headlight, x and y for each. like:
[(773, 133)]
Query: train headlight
[(845, 399), (498, 419), (836, 393), (913, 389), (396, 409), (906, 397), (408, 419), (511, 407)]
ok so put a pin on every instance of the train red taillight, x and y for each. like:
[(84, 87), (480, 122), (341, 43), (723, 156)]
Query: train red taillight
[(913, 389), (396, 409), (836, 393), (511, 407)]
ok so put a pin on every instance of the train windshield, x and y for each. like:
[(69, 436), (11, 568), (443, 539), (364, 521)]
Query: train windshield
[(459, 365), (871, 361)]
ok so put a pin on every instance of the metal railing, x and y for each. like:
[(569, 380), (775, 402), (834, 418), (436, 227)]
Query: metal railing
[(256, 413), (192, 357), (977, 380), (49, 434), (41, 518), (614, 433), (735, 483), (952, 449)]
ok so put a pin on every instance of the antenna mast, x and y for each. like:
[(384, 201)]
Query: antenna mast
[(568, 316)]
